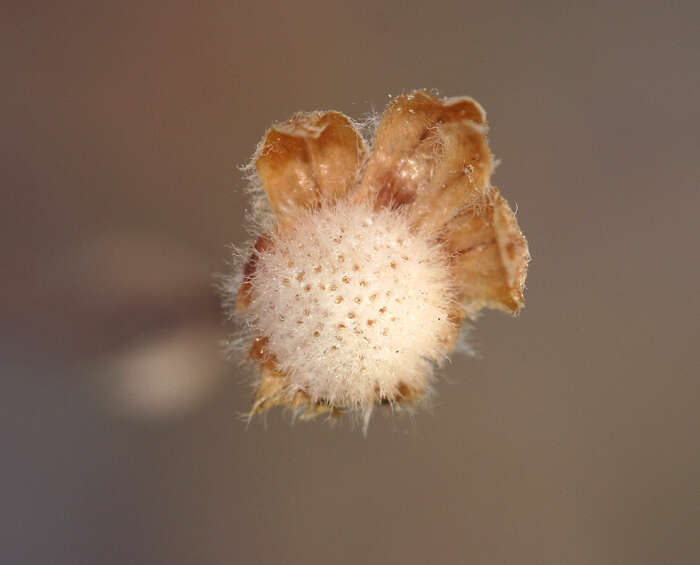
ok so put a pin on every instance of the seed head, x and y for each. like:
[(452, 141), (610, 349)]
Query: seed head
[(368, 262), (354, 304)]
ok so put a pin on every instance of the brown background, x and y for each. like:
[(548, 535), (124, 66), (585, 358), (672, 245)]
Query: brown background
[(572, 438)]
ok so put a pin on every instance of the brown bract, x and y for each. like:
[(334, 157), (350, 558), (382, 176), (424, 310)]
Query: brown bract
[(311, 158), (430, 159)]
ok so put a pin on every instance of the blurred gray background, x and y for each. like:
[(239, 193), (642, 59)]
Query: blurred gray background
[(573, 437)]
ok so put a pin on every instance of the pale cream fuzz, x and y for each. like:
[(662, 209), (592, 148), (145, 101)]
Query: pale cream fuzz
[(354, 304)]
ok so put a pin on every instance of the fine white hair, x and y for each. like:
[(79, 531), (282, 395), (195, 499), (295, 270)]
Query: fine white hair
[(355, 304)]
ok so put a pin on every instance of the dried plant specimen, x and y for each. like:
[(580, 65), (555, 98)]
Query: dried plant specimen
[(370, 254)]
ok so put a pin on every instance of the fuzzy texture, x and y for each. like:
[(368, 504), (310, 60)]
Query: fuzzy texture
[(355, 305), (372, 246)]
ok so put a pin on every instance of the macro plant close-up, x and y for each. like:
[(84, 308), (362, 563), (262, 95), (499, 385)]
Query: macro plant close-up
[(372, 254), (350, 282)]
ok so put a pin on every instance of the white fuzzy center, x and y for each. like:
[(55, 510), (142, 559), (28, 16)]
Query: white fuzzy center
[(354, 304)]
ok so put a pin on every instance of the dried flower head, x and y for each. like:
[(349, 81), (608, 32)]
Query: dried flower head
[(368, 260)]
